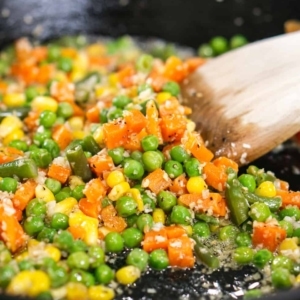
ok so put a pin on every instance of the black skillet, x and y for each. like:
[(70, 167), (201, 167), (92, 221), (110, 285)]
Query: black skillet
[(187, 22)]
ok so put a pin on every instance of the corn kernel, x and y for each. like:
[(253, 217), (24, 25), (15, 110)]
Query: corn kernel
[(76, 291), (29, 282), (298, 278), (188, 229), (163, 97), (76, 123), (53, 252), (78, 134), (128, 275), (190, 126), (14, 99), (288, 244), (32, 243), (196, 185), (41, 103), (136, 195), (104, 91), (97, 292), (266, 189), (96, 50), (43, 193), (16, 134), (9, 124), (113, 79), (65, 206), (98, 135), (159, 216), (60, 76), (118, 191), (115, 177), (22, 256), (77, 74), (74, 181)]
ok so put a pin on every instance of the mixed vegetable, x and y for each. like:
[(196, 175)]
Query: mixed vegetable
[(98, 156)]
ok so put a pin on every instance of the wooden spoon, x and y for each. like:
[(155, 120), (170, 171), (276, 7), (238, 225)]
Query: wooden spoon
[(247, 102)]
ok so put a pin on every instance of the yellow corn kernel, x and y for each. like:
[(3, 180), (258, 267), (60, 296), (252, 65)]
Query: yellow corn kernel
[(104, 91), (113, 79), (188, 229), (9, 124), (97, 292), (266, 189), (53, 252), (196, 185), (76, 123), (76, 291), (136, 195), (118, 191), (77, 74), (43, 193), (287, 245), (128, 275), (60, 76), (29, 282), (132, 92), (90, 225), (162, 97), (32, 243), (96, 50), (115, 177), (14, 99), (22, 256), (298, 278), (41, 103), (65, 206), (16, 134), (98, 135), (78, 134), (190, 126), (159, 216), (74, 181)]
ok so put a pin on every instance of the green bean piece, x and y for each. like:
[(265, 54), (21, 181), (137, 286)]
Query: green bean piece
[(23, 168), (273, 203), (207, 219), (89, 144), (204, 255), (20, 112), (85, 87), (79, 163)]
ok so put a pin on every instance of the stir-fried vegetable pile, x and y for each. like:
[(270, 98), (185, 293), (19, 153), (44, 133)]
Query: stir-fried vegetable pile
[(98, 155)]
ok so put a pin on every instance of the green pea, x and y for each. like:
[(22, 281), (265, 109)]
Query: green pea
[(65, 64), (30, 93), (83, 277), (103, 115), (243, 255), (78, 260), (282, 262), (144, 63), (179, 154), (6, 275), (158, 259), (143, 87), (132, 237), (40, 136), (53, 185), (287, 226), (60, 196), (144, 222), (78, 246), (172, 87), (252, 294), (126, 206), (243, 239), (262, 257), (133, 169), (228, 232), (238, 41), (131, 220), (114, 113), (45, 263), (65, 110), (36, 207), (173, 168), (58, 276), (148, 201), (33, 225), (290, 212), (54, 53), (8, 184), (166, 200), (5, 257), (46, 235), (180, 215), (121, 101), (77, 192), (137, 155), (63, 240), (138, 258), (52, 147), (192, 167), (19, 144), (206, 51), (44, 296), (248, 181), (219, 45), (104, 274), (296, 232), (96, 256), (41, 157), (59, 221), (26, 264), (117, 155), (201, 229), (113, 242), (259, 211), (150, 142), (47, 118), (152, 160), (281, 278)]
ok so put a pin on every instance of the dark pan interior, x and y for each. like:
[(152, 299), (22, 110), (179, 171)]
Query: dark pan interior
[(187, 22)]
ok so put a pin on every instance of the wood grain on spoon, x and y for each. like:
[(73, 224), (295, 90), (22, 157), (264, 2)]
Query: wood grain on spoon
[(247, 102)]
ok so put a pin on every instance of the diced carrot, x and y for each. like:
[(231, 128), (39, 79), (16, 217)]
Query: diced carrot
[(58, 172), (153, 121), (213, 204), (193, 63), (89, 208), (157, 181), (225, 162), (214, 176), (45, 73), (157, 80), (25, 71), (68, 52), (180, 252), (23, 48), (283, 185), (77, 110), (133, 141), (39, 53), (267, 236), (78, 232), (175, 69), (31, 121), (178, 186), (155, 240), (115, 134), (62, 91), (170, 107), (11, 232), (116, 223), (3, 87), (62, 135), (166, 150), (100, 163), (108, 212), (173, 127), (24, 194), (175, 231), (95, 190), (100, 60), (92, 114), (125, 76), (135, 120), (19, 214), (8, 154), (289, 197)]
